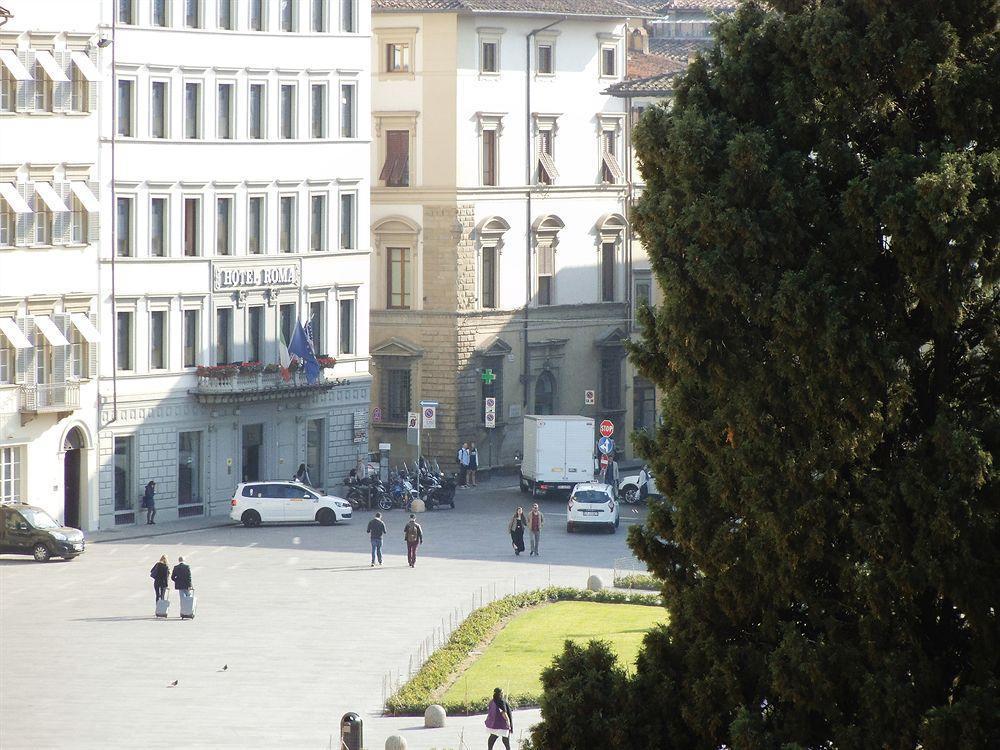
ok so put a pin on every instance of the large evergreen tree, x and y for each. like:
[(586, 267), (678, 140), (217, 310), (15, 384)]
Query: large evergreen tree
[(822, 213)]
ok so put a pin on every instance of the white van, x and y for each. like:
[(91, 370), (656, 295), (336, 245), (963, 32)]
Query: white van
[(558, 453)]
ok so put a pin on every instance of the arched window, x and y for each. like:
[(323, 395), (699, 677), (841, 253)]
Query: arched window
[(545, 394)]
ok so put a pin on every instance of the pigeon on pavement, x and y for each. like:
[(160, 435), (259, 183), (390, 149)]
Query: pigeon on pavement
[(173, 684), (224, 667)]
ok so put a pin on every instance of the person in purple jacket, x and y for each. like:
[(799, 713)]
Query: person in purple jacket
[(499, 720)]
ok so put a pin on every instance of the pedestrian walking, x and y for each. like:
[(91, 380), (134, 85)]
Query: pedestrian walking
[(473, 463), (413, 535), (149, 501), (516, 528), (160, 573), (535, 522), (612, 477), (499, 720), (376, 530), (302, 475), (463, 465), (181, 576)]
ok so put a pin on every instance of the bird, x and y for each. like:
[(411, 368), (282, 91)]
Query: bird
[(173, 684), (224, 667)]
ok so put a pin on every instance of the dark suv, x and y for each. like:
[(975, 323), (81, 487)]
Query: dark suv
[(27, 530)]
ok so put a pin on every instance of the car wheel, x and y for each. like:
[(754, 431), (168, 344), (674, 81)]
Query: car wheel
[(250, 519), (326, 517), (41, 552), (569, 527), (617, 521), (630, 494)]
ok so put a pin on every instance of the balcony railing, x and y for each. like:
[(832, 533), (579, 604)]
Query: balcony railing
[(50, 397), (261, 386)]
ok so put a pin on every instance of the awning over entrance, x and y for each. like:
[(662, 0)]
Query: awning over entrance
[(50, 197), (82, 323), (49, 330), (9, 60), (14, 199), (13, 334)]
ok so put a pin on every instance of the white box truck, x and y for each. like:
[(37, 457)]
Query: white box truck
[(558, 453)]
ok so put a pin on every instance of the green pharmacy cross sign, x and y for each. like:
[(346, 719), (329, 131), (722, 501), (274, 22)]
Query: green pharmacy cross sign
[(488, 376)]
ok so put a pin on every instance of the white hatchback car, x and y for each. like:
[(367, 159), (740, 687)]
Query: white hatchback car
[(592, 503), (630, 486), (254, 503)]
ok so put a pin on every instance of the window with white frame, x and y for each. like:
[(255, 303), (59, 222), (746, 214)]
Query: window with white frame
[(287, 110), (79, 221), (158, 226), (258, 15), (490, 237), (225, 116), (286, 224), (348, 16), (318, 17), (8, 224), (79, 100), (397, 57), (11, 461), (348, 116), (158, 339), (255, 333), (257, 111), (44, 86), (226, 14), (191, 320), (124, 338), (192, 14), (159, 113), (546, 235), (348, 220), (160, 15), (192, 109), (126, 108), (609, 60), (546, 172), (43, 221), (6, 361), (347, 323), (611, 171), (256, 224), (317, 98), (77, 354), (545, 57), (224, 225), (288, 16), (223, 335), (126, 11), (316, 326), (399, 278), (489, 51), (8, 90), (317, 222), (125, 226), (490, 127), (192, 227)]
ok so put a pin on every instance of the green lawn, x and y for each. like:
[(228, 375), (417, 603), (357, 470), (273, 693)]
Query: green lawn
[(515, 659)]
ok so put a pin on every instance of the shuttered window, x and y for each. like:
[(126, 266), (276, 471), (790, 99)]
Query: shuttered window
[(608, 272), (396, 170), (546, 273)]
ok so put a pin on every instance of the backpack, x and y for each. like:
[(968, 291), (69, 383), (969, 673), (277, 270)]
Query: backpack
[(412, 532)]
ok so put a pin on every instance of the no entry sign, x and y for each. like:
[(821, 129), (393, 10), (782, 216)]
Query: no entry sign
[(607, 428)]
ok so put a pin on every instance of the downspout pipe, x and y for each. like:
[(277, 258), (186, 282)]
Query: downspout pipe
[(528, 170), (114, 219)]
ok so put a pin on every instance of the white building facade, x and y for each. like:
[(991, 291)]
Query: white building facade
[(236, 169), (49, 285)]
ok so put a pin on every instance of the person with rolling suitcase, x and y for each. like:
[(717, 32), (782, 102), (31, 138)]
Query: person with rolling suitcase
[(181, 576), (160, 574)]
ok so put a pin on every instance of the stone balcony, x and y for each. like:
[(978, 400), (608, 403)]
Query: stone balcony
[(261, 386), (49, 398)]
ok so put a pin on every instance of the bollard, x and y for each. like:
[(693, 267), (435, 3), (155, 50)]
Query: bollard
[(351, 732), (434, 716), (395, 742)]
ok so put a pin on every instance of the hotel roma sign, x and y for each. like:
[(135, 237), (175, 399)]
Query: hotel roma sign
[(235, 278)]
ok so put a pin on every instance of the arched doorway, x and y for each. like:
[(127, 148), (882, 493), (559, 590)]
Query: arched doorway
[(73, 447), (545, 394)]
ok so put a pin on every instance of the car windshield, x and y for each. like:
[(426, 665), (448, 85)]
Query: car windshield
[(591, 496), (39, 519)]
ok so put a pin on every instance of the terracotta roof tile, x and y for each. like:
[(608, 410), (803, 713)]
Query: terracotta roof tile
[(610, 8)]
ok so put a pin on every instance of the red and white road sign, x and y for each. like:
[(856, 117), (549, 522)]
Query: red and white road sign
[(607, 428), (605, 460)]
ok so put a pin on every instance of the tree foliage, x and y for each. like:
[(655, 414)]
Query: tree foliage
[(822, 214)]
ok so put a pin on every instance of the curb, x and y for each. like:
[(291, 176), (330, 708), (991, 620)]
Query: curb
[(152, 534)]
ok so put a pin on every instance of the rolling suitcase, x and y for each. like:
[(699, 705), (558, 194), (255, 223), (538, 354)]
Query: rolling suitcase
[(188, 603), (162, 606)]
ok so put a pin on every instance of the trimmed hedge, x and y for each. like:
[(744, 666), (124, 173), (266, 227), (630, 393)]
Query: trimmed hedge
[(638, 581), (414, 697)]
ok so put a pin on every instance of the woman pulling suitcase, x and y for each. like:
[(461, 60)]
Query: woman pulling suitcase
[(160, 573)]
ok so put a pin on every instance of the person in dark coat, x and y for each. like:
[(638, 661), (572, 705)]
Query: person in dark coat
[(302, 475), (149, 502), (160, 574), (181, 576), (376, 530), (413, 535), (473, 464), (499, 720), (516, 528)]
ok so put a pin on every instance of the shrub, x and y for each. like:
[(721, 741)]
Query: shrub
[(637, 581)]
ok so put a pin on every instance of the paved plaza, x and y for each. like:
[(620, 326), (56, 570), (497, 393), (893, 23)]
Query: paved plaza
[(307, 628)]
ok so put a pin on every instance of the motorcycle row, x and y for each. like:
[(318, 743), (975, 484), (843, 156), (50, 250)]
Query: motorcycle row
[(368, 491)]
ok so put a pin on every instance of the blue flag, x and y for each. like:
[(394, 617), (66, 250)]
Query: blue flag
[(301, 348)]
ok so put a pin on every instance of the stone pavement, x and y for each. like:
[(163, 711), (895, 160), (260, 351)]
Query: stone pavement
[(307, 628)]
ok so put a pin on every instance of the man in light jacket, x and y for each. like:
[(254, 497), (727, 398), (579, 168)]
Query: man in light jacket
[(535, 522)]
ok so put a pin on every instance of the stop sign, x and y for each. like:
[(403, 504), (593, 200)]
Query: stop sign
[(607, 428)]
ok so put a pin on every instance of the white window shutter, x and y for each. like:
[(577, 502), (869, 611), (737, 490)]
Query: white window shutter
[(61, 219), (94, 219), (25, 231), (61, 89), (62, 355), (93, 87), (26, 89), (91, 364), (24, 373)]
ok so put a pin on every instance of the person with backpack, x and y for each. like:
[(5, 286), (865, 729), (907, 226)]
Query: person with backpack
[(413, 535)]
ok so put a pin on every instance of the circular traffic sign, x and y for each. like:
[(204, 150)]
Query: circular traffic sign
[(429, 413), (607, 428), (605, 445)]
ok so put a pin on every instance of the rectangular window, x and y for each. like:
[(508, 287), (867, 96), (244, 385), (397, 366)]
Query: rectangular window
[(347, 117), (287, 97), (611, 171), (397, 57), (227, 14), (192, 227), (398, 278), (257, 111), (192, 334), (397, 394), (396, 170), (489, 57), (79, 222), (642, 296), (643, 405), (609, 61), (255, 333), (126, 104), (158, 227), (8, 90), (286, 319), (489, 157), (317, 223), (6, 361), (8, 225), (77, 354), (546, 273), (347, 326), (607, 272), (124, 231), (319, 22), (543, 62), (79, 92), (126, 11), (158, 103), (258, 14), (348, 23), (125, 489), (319, 110), (160, 9), (611, 381), (547, 172), (348, 202), (189, 474), (43, 364), (43, 89), (192, 14), (43, 222), (488, 281), (123, 341), (10, 475), (192, 110), (288, 15), (225, 116), (286, 224), (223, 335), (157, 340), (224, 226), (317, 314), (256, 228)]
